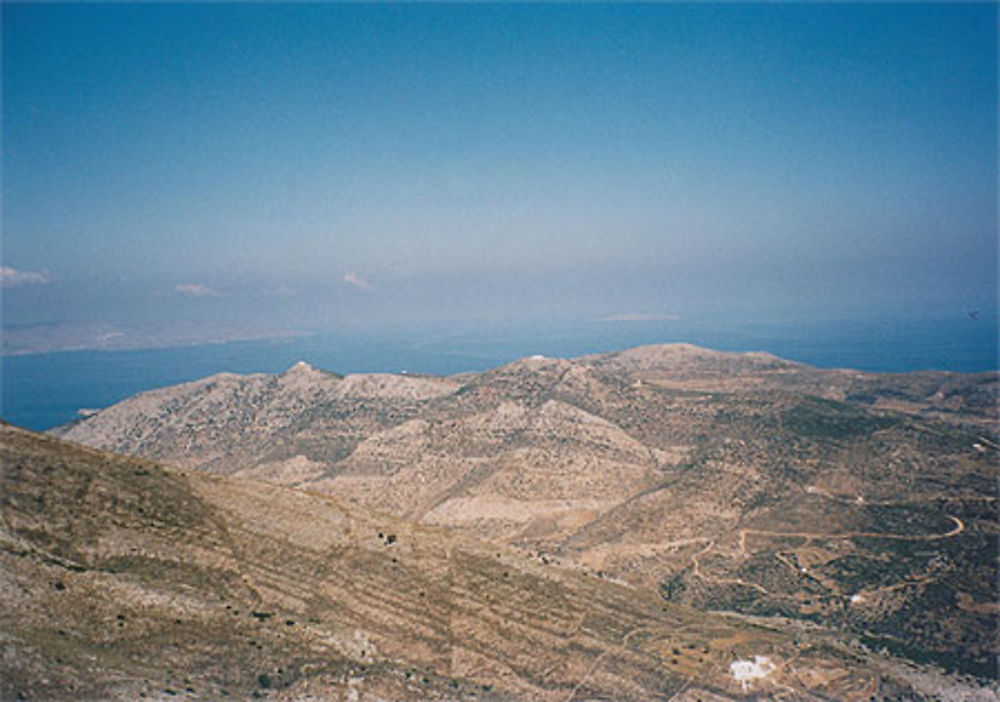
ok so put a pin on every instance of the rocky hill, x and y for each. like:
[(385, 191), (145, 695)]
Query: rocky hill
[(124, 579), (859, 502)]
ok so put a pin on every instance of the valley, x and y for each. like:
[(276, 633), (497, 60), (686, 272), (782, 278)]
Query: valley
[(625, 525)]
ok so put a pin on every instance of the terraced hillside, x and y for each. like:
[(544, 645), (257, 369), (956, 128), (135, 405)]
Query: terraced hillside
[(125, 579), (862, 503)]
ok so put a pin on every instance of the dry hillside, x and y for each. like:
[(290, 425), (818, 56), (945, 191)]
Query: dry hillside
[(124, 579), (862, 503)]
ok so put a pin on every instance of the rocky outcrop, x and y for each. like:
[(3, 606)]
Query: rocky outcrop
[(244, 589), (698, 472)]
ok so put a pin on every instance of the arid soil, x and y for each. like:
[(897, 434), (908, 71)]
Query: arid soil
[(860, 505)]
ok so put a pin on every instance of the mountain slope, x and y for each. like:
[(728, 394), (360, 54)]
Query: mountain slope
[(223, 422), (243, 588), (740, 482)]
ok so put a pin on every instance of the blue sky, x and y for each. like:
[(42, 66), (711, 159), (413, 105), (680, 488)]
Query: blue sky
[(330, 164)]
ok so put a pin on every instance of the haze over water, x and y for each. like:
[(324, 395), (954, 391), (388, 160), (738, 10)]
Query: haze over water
[(445, 187), (325, 164), (44, 390)]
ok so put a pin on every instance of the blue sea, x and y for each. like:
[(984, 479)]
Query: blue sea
[(40, 391)]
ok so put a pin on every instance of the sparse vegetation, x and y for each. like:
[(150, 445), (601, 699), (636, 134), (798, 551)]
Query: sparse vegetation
[(834, 520)]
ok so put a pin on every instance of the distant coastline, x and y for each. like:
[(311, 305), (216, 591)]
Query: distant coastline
[(42, 390), (28, 339)]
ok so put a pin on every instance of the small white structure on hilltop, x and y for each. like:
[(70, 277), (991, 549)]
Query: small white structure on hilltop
[(536, 357), (746, 672)]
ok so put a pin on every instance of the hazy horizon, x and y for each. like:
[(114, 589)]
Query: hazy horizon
[(335, 166)]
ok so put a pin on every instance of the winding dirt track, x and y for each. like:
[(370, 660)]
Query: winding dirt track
[(955, 531), (809, 536)]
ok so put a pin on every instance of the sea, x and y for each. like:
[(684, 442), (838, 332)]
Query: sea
[(41, 391)]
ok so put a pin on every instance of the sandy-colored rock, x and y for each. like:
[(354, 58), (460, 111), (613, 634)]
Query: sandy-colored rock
[(710, 477), (123, 579)]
